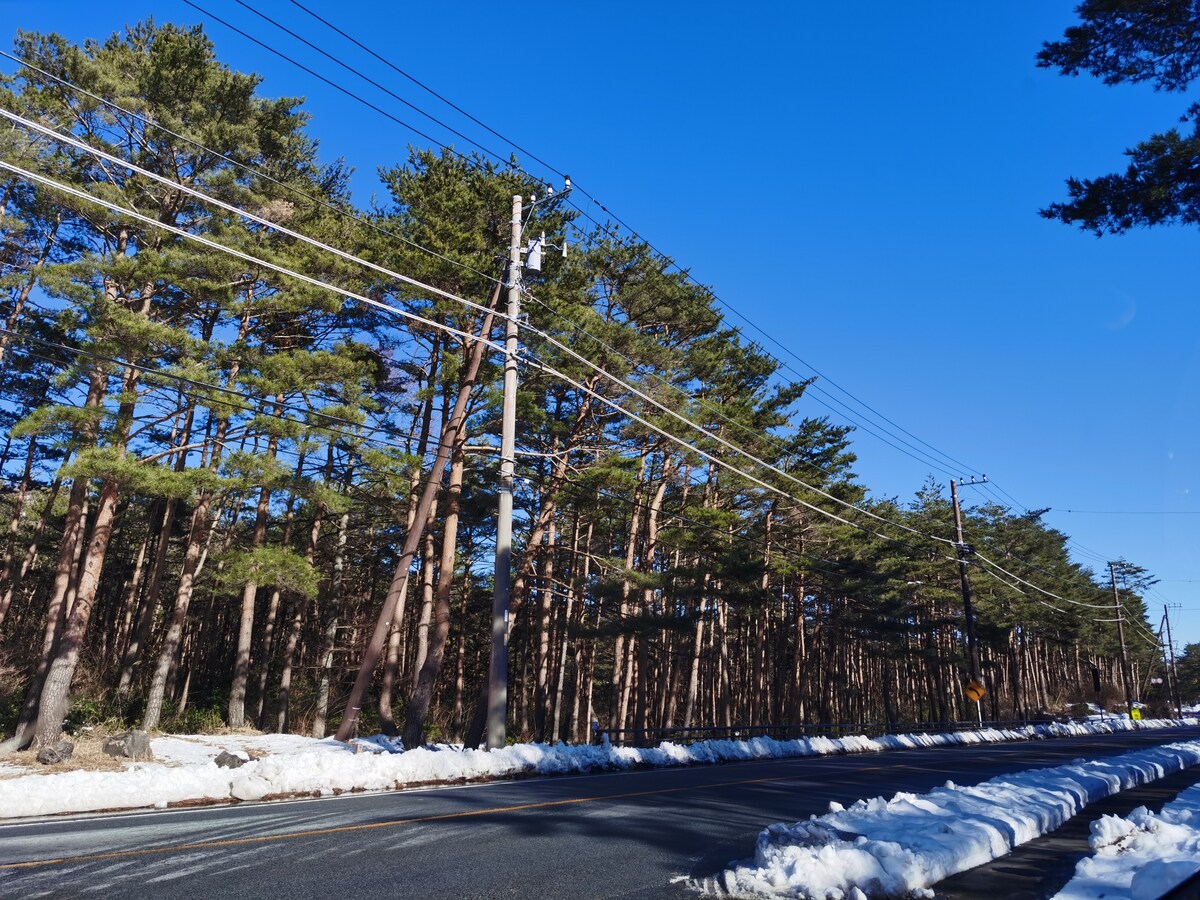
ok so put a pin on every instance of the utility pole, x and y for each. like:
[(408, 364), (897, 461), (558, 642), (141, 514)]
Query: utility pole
[(497, 700), (1112, 569), (1172, 675), (975, 689)]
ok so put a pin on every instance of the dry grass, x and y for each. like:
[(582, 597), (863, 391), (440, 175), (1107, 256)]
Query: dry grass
[(89, 756)]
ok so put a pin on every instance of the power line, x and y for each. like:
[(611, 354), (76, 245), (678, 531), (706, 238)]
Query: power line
[(412, 281), (464, 335), (344, 213), (927, 460), (257, 172), (327, 81), (426, 88), (1130, 512), (245, 257), (353, 71), (617, 407), (469, 337), (1012, 575)]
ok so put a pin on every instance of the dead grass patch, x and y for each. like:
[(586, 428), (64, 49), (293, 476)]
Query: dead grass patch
[(89, 756)]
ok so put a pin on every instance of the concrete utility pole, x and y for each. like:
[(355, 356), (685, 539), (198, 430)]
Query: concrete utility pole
[(1171, 673), (1112, 569), (964, 549), (497, 702)]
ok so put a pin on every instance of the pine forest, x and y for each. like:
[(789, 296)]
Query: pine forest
[(248, 426)]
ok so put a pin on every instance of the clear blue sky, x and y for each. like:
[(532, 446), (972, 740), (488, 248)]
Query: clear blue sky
[(863, 180)]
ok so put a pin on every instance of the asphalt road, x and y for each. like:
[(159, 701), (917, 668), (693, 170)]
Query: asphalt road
[(633, 834)]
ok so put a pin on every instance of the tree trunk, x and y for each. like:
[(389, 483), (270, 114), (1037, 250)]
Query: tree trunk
[(542, 692), (422, 696), (283, 700), (241, 665), (329, 617), (14, 528), (52, 707), (400, 577)]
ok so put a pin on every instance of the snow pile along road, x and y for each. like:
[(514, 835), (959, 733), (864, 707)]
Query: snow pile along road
[(1141, 856), (902, 846), (290, 765)]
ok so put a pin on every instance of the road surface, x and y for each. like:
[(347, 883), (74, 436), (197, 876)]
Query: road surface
[(630, 834)]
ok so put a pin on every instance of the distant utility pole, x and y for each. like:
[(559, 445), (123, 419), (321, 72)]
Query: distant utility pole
[(1171, 673), (1112, 569), (975, 689), (497, 700)]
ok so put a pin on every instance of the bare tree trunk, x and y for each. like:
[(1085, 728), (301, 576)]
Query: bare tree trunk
[(52, 703), (133, 593), (29, 560), (52, 706), (579, 577), (64, 573), (426, 617), (399, 585), (620, 684), (458, 715), (641, 706), (422, 696), (199, 535), (14, 316), (542, 692), (14, 528), (283, 700), (269, 627), (241, 665), (329, 614), (393, 662)]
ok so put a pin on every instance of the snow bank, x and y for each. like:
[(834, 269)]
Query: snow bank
[(899, 847), (288, 765), (1141, 856)]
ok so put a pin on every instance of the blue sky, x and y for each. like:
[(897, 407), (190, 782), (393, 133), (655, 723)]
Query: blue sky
[(860, 180)]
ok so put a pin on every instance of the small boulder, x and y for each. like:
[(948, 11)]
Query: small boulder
[(130, 745), (56, 753), (227, 760)]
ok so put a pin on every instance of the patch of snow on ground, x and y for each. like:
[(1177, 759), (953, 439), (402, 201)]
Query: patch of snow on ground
[(900, 847), (283, 765), (1140, 856)]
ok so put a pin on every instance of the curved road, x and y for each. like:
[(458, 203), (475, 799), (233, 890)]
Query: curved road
[(631, 834)]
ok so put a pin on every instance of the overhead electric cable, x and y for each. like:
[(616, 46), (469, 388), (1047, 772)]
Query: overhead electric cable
[(245, 257), (412, 281), (344, 213), (392, 273), (369, 80), (685, 273), (229, 207), (322, 78), (48, 182), (257, 172), (427, 88), (87, 197), (1012, 575)]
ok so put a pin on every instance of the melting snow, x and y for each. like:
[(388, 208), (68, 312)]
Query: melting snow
[(900, 847), (282, 765), (1141, 856)]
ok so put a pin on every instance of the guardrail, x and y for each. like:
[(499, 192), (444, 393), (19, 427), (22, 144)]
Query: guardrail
[(645, 736)]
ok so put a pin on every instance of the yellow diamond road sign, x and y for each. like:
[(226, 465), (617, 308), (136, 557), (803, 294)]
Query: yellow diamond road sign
[(974, 690)]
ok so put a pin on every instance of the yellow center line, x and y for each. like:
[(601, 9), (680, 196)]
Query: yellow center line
[(394, 823)]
